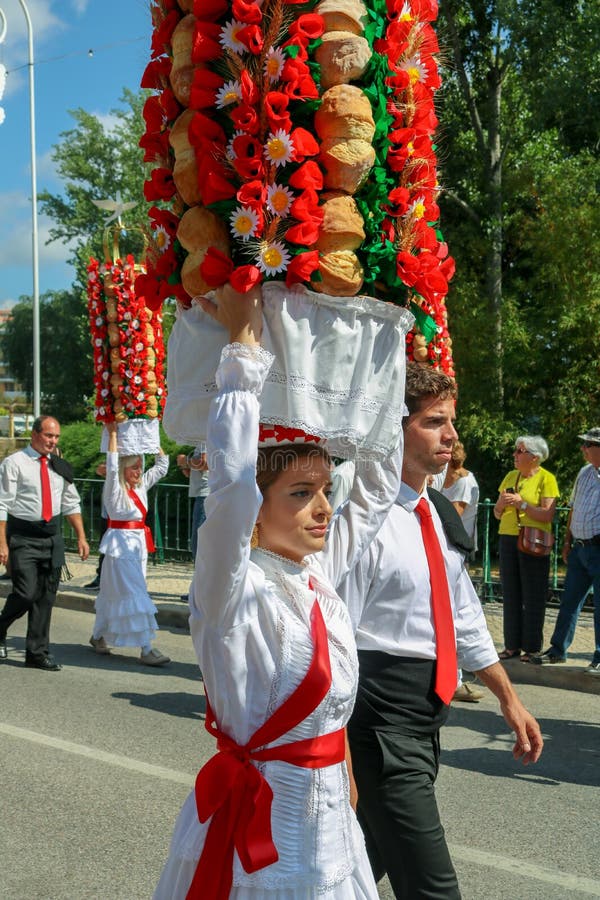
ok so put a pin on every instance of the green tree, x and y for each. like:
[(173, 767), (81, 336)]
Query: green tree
[(65, 358)]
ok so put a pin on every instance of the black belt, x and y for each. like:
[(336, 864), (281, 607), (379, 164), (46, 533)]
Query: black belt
[(585, 542)]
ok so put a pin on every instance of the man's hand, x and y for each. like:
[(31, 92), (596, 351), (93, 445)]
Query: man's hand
[(83, 549), (529, 742), (3, 553)]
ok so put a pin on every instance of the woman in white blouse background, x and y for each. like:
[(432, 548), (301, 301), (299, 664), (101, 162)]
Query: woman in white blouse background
[(277, 653)]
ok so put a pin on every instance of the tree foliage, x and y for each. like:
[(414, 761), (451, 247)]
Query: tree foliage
[(520, 216)]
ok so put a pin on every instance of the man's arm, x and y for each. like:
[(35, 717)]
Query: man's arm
[(529, 742), (3, 544), (76, 523)]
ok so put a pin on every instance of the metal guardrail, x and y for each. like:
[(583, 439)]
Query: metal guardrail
[(171, 518)]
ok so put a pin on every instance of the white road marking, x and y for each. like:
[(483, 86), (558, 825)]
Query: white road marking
[(528, 870), (112, 759), (466, 854)]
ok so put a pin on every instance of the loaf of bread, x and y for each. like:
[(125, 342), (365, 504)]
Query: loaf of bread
[(347, 163), (345, 112), (341, 273), (343, 57), (343, 15), (182, 68), (185, 170), (198, 230), (342, 226)]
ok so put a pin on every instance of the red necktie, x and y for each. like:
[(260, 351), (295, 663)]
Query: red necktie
[(46, 490), (446, 675)]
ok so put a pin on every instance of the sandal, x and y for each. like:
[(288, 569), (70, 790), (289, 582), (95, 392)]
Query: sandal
[(509, 654)]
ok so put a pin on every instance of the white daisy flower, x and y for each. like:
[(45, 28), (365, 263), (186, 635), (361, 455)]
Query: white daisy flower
[(244, 222), (279, 199), (274, 63), (416, 210), (230, 152), (279, 148), (162, 238), (140, 395), (273, 258), (231, 92), (228, 39), (415, 68)]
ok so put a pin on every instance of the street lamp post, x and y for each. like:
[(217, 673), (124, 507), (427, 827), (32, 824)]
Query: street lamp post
[(34, 216)]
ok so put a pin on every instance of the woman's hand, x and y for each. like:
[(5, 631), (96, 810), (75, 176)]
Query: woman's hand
[(240, 314), (508, 498)]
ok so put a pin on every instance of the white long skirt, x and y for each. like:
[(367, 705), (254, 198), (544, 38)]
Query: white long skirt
[(125, 613), (179, 871)]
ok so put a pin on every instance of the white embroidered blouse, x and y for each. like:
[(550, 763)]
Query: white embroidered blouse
[(251, 632)]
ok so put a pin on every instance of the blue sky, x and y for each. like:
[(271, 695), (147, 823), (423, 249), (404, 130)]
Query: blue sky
[(66, 77)]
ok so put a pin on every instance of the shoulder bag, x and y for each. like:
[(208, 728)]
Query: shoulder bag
[(534, 541)]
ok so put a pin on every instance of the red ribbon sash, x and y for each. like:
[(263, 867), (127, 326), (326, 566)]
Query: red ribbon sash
[(134, 523), (231, 790)]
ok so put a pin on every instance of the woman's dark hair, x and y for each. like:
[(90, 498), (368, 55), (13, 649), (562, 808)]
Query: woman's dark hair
[(272, 461)]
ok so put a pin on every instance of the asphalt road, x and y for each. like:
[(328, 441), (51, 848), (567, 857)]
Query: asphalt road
[(97, 759)]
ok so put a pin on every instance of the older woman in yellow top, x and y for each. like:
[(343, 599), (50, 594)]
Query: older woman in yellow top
[(528, 496)]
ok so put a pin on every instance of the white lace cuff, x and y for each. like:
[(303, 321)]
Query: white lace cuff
[(244, 368)]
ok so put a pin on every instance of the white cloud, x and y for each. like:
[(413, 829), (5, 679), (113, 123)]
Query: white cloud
[(15, 232)]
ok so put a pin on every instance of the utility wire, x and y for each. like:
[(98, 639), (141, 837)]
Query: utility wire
[(90, 53)]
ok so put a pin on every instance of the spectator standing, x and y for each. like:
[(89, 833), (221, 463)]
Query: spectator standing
[(581, 554), (461, 488), (528, 496), (36, 489), (195, 467), (125, 613)]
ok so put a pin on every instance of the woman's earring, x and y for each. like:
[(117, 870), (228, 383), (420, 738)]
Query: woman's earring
[(254, 538)]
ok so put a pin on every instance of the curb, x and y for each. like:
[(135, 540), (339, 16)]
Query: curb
[(176, 615)]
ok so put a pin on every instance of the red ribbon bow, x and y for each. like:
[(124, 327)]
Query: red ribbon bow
[(231, 790)]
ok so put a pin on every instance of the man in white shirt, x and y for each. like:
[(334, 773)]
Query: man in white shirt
[(394, 731), (581, 555), (36, 489)]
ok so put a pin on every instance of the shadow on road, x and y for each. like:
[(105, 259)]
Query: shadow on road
[(177, 703), (571, 750)]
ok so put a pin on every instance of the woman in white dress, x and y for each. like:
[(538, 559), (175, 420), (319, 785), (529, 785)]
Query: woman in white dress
[(270, 818), (125, 614)]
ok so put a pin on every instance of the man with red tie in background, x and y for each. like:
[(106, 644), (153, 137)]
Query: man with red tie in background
[(36, 489), (418, 619)]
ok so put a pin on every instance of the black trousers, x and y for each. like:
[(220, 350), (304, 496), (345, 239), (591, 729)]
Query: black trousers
[(35, 582), (397, 810), (524, 581)]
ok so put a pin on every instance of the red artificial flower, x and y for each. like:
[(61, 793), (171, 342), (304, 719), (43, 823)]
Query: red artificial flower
[(205, 42), (306, 207), (301, 267), (304, 144), (308, 175), (249, 167), (247, 11), (245, 118), (307, 27), (252, 194), (215, 268), (305, 233), (163, 31), (276, 107), (203, 131), (244, 278), (247, 156), (156, 73), (169, 104), (407, 268), (205, 85), (164, 217), (251, 37), (155, 146), (160, 186), (248, 89), (153, 114), (210, 9)]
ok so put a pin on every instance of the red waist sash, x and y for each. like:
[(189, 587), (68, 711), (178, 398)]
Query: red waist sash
[(231, 790), (137, 525)]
